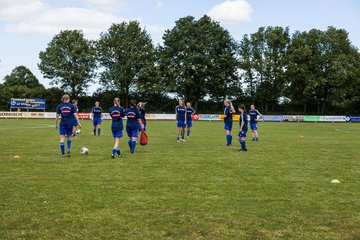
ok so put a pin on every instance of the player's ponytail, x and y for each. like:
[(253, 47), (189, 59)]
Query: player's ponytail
[(117, 102), (141, 104), (65, 98)]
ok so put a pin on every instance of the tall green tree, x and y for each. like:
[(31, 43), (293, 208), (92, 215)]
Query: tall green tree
[(126, 54), (262, 59), (277, 40), (198, 59), (21, 76), (69, 61), (336, 66), (300, 78), (247, 66)]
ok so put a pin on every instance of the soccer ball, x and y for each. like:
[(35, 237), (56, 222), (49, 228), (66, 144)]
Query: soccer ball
[(84, 150), (78, 131)]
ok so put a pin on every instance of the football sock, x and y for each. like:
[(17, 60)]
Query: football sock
[(188, 132), (99, 130), (257, 139), (114, 151), (94, 131), (129, 142), (118, 151), (62, 147), (68, 143), (243, 144), (230, 137), (133, 145)]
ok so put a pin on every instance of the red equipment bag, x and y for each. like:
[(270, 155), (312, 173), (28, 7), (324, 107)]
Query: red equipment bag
[(143, 138)]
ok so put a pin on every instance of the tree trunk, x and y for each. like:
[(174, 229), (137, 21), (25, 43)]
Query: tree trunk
[(127, 96), (323, 106), (305, 108), (196, 105)]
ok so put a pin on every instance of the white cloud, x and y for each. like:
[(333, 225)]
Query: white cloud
[(231, 11), (52, 21), (158, 3), (38, 17), (107, 5), (19, 10)]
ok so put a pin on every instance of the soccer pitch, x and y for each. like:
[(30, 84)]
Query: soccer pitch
[(201, 189)]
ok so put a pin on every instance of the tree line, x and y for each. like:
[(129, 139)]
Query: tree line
[(309, 72)]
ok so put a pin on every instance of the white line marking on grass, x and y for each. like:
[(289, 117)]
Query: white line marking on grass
[(346, 129), (26, 127)]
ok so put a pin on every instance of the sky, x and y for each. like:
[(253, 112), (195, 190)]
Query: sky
[(27, 26)]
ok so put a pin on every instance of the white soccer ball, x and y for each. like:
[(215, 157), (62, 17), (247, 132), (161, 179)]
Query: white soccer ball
[(78, 131), (84, 150)]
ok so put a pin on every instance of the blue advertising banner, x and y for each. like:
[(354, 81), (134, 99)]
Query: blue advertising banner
[(352, 118), (27, 103), (272, 118), (209, 117)]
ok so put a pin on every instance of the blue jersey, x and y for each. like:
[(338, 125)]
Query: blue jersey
[(253, 115), (228, 115), (117, 113), (243, 119), (189, 112), (133, 117), (180, 113), (142, 113), (76, 111), (67, 112), (97, 112)]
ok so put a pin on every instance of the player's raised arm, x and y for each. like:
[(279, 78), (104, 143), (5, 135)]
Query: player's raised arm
[(228, 120)]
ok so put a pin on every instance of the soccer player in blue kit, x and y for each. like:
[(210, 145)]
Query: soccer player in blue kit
[(180, 112), (141, 106), (97, 117), (67, 112), (76, 118), (116, 113), (189, 112), (254, 118), (228, 120), (243, 124), (132, 124)]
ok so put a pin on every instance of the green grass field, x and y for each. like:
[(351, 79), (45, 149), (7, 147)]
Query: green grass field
[(201, 189)]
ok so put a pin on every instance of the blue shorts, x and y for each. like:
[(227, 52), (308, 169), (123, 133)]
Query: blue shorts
[(228, 126), (117, 133), (180, 124), (132, 132), (189, 123), (242, 134), (75, 122), (66, 130), (253, 126), (97, 121)]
